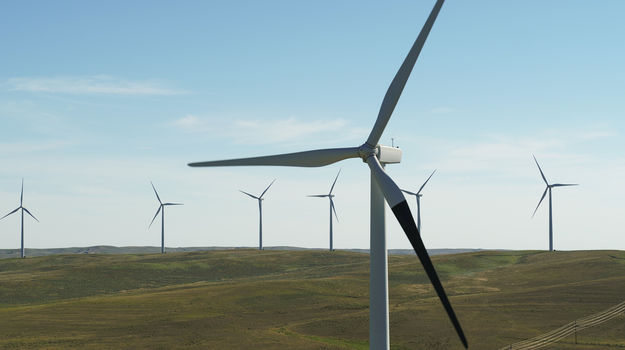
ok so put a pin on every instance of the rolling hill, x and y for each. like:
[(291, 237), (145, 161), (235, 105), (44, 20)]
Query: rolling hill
[(305, 299)]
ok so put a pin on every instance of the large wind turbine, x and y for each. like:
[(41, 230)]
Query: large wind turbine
[(161, 209), (260, 210), (418, 195), (332, 209), (548, 189), (382, 187), (23, 210)]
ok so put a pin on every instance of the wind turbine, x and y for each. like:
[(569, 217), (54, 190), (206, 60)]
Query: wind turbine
[(548, 189), (260, 210), (332, 209), (161, 209), (418, 195), (382, 187), (23, 210)]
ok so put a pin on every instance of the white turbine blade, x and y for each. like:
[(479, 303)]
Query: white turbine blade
[(314, 158), (426, 181), (562, 185), (262, 194), (541, 171), (173, 204), (26, 210), (541, 200), (333, 209), (251, 195), (22, 194), (318, 195), (397, 86), (155, 215), (334, 183), (397, 202), (411, 193), (156, 193), (391, 191), (11, 213)]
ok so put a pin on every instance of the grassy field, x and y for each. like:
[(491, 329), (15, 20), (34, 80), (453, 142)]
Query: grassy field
[(239, 299)]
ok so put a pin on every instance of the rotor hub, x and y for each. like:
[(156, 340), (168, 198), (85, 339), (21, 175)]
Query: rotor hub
[(365, 151)]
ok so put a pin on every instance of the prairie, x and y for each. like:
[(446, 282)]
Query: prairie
[(281, 299)]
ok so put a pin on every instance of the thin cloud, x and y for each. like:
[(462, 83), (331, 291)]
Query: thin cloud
[(442, 110), (256, 131), (32, 147), (189, 123), (595, 135), (283, 130), (510, 155), (97, 84)]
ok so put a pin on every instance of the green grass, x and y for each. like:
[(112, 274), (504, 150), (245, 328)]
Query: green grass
[(239, 299)]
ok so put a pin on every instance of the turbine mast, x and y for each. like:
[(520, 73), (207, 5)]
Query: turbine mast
[(378, 279), (550, 224), (260, 224), (331, 247), (162, 229), (22, 214), (419, 212)]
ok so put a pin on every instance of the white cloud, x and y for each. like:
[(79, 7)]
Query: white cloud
[(510, 154), (442, 110), (256, 131), (97, 84), (32, 147), (594, 135), (189, 123)]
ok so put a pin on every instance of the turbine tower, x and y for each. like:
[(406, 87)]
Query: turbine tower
[(382, 187), (332, 209), (418, 195), (260, 210), (22, 214), (161, 209), (548, 189)]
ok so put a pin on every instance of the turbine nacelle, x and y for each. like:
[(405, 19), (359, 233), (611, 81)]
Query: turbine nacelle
[(385, 154)]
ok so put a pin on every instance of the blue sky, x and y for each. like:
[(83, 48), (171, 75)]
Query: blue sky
[(99, 98)]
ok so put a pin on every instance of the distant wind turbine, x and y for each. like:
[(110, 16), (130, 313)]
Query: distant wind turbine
[(548, 189), (418, 195), (332, 209), (161, 209), (23, 210), (260, 209)]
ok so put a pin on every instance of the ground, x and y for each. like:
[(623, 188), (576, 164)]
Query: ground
[(238, 299)]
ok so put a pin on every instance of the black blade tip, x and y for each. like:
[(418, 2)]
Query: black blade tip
[(404, 216)]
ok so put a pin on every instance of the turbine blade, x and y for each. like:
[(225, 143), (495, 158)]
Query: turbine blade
[(541, 200), (334, 183), (155, 215), (173, 204), (426, 181), (541, 170), (334, 209), (397, 202), (22, 194), (11, 212), (562, 185), (314, 158), (318, 195), (411, 193), (26, 210), (262, 194), (251, 195), (156, 193), (397, 85)]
